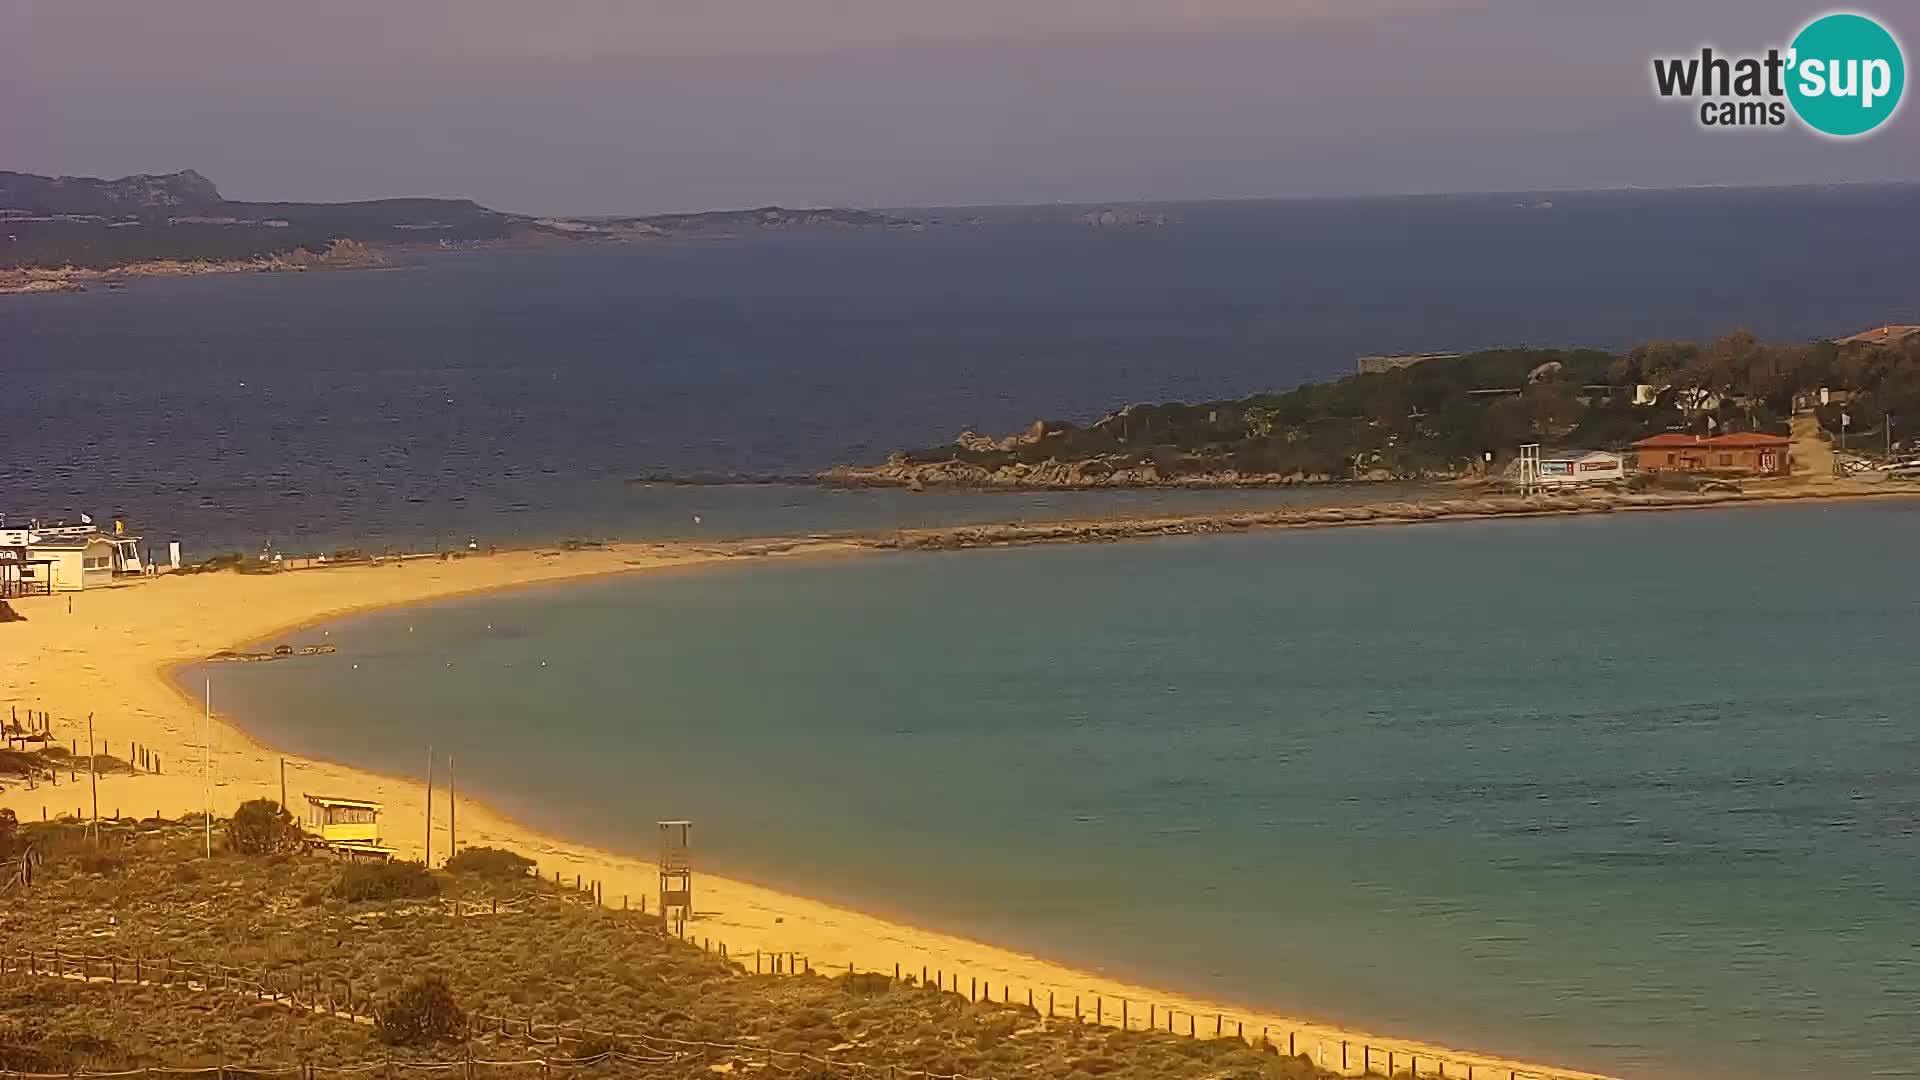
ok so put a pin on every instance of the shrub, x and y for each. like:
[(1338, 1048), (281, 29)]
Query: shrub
[(384, 881), (262, 827), (11, 842), (490, 862), (423, 1012), (596, 1045), (101, 863), (866, 982)]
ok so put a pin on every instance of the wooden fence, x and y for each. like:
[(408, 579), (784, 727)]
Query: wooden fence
[(30, 731), (343, 999), (1348, 1056)]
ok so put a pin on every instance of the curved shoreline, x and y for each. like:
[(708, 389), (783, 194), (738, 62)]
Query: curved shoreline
[(132, 688)]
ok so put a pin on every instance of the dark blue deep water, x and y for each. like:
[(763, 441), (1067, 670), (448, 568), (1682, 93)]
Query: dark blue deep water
[(505, 396)]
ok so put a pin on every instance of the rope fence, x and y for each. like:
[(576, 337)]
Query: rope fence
[(338, 998)]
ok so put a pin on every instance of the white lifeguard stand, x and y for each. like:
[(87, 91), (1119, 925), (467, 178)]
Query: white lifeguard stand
[(1529, 469), (676, 871)]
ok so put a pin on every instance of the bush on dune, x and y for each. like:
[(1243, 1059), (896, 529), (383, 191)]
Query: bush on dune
[(421, 1013), (385, 881), (490, 862), (262, 827)]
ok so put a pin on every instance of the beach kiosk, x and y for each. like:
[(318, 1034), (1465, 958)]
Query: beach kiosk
[(349, 827)]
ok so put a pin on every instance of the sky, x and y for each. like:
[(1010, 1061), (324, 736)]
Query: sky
[(635, 106)]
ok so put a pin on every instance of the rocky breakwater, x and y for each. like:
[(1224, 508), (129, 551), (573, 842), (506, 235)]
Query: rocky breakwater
[(1381, 513), (1101, 472)]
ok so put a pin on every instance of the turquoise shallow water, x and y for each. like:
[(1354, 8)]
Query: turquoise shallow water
[(1637, 792)]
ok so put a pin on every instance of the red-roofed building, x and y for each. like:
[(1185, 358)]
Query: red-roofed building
[(1742, 453)]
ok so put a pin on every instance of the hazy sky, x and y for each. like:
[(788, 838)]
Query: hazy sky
[(570, 106)]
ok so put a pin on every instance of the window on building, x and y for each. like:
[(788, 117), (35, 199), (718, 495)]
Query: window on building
[(98, 562), (1671, 458), (1726, 459)]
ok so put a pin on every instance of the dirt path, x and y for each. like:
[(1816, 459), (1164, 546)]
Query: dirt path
[(1812, 453)]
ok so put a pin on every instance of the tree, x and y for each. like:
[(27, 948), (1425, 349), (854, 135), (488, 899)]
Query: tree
[(490, 862), (423, 1012), (262, 827)]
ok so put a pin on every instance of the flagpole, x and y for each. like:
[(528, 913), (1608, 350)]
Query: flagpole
[(206, 767)]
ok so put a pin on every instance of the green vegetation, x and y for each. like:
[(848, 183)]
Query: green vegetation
[(363, 882), (421, 1014), (262, 827), (519, 949), (490, 862), (12, 841), (1440, 417)]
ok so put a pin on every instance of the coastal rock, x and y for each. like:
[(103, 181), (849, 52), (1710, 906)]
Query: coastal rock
[(1123, 218)]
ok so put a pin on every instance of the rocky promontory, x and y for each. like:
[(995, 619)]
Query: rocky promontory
[(1118, 471)]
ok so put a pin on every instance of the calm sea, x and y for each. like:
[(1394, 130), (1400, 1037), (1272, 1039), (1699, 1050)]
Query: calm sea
[(506, 396), (1634, 792), (1640, 792)]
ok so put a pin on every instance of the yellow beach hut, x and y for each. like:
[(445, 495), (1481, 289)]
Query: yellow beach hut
[(349, 826)]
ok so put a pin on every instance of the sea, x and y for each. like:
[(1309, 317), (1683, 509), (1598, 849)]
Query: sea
[(1636, 792), (507, 397)]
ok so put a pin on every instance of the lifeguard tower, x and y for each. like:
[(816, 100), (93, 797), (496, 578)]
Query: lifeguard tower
[(676, 871), (350, 827)]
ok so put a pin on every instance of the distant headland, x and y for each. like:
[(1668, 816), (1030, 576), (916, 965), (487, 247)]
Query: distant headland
[(62, 233), (1464, 417)]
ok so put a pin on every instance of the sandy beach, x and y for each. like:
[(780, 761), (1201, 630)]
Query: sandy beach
[(107, 652)]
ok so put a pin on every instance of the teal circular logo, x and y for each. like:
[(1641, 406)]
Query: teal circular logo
[(1846, 74)]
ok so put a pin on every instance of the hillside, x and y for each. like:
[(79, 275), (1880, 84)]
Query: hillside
[(138, 951), (1436, 419), (96, 224), (91, 223)]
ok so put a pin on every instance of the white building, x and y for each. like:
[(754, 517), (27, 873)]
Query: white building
[(1571, 468), (63, 559)]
